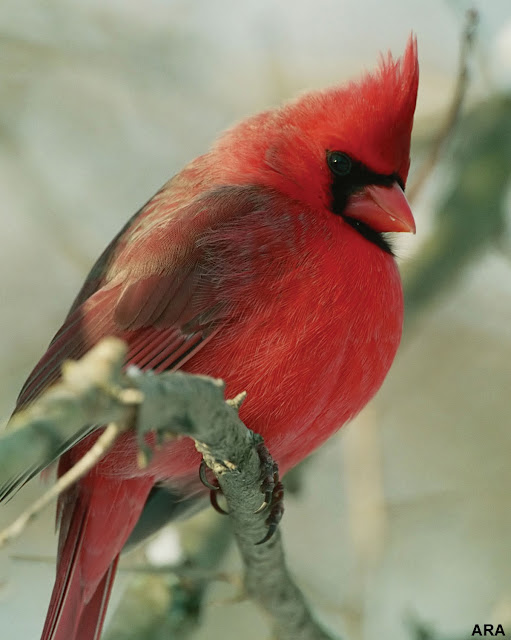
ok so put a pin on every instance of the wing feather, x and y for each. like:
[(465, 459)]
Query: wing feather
[(156, 295)]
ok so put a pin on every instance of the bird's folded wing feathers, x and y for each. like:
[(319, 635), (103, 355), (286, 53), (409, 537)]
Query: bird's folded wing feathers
[(149, 288)]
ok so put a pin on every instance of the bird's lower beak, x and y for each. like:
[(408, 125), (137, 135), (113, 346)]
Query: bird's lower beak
[(382, 209)]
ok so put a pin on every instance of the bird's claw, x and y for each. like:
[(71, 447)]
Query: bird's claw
[(271, 486), (276, 512), (213, 497), (212, 486), (269, 475), (273, 490)]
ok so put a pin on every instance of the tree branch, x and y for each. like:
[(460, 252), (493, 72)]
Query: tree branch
[(96, 391), (90, 392), (85, 464), (452, 117)]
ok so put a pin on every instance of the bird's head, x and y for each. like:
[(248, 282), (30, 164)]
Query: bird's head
[(344, 150)]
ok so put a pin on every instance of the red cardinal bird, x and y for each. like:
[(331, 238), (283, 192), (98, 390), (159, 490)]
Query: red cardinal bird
[(263, 262)]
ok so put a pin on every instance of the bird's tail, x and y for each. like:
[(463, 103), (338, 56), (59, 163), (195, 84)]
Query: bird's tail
[(94, 528)]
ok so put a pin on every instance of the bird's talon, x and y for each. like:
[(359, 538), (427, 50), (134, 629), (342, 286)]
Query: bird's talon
[(213, 497), (270, 485), (204, 479), (267, 500), (276, 513), (269, 534), (273, 491), (213, 487), (267, 484)]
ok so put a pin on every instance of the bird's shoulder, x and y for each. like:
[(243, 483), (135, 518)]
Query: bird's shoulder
[(173, 228)]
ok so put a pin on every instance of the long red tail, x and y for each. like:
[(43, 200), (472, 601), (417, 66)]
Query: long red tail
[(95, 525)]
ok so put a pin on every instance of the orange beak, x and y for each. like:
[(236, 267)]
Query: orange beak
[(382, 209)]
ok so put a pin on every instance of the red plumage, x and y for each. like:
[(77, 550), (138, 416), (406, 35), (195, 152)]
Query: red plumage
[(238, 268)]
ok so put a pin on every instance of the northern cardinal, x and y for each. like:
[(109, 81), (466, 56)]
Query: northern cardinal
[(264, 262)]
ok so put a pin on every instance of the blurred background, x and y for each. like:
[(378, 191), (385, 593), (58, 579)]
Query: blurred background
[(400, 527)]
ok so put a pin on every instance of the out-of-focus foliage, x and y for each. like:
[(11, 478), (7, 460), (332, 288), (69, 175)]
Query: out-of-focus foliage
[(470, 217), (162, 606)]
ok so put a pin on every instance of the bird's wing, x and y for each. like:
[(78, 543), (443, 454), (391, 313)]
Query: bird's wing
[(154, 287)]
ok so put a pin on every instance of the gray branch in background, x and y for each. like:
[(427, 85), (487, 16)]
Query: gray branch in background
[(453, 114), (96, 391)]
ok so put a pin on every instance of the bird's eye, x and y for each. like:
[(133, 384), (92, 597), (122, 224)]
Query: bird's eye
[(339, 163)]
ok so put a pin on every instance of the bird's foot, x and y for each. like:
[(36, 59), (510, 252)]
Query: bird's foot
[(271, 486)]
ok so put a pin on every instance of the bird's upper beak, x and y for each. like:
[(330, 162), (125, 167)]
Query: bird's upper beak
[(382, 208)]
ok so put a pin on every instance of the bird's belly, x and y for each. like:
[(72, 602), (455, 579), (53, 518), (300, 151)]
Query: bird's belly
[(301, 389)]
